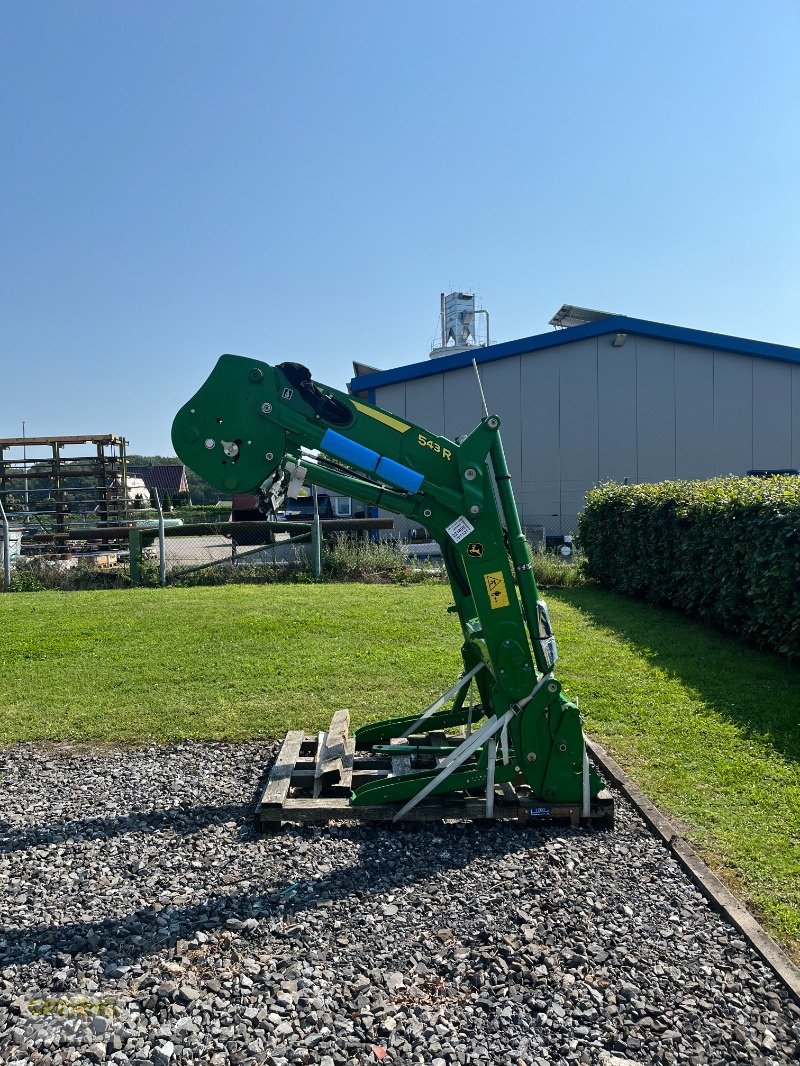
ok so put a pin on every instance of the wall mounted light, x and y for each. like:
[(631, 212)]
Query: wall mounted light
[(619, 340)]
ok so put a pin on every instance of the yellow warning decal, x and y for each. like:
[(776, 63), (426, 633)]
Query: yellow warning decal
[(381, 416), (496, 587)]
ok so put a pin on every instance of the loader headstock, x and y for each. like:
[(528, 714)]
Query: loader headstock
[(224, 433)]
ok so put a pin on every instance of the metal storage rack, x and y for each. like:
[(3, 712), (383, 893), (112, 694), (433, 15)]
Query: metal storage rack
[(54, 489)]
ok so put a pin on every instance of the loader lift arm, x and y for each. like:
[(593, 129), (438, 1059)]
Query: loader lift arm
[(258, 428)]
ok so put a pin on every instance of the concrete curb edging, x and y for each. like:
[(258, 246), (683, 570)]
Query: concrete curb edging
[(720, 897)]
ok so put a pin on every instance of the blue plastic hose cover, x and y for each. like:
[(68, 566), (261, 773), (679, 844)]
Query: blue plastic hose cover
[(343, 448), (402, 476)]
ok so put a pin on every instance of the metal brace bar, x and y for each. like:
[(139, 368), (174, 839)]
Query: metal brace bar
[(463, 680), (460, 755), (586, 805), (490, 777), (518, 706)]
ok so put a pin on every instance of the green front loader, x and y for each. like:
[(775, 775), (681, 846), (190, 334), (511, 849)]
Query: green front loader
[(272, 430)]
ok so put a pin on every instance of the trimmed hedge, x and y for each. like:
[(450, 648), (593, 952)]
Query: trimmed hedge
[(725, 550)]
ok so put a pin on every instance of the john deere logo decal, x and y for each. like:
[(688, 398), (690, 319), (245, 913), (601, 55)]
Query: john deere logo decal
[(475, 549)]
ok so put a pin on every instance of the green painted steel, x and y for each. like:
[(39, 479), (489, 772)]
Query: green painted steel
[(413, 749), (245, 430), (380, 732), (135, 556)]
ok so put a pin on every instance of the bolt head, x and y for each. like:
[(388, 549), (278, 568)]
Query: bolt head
[(552, 687), (531, 756), (268, 456), (427, 513), (266, 408), (210, 443), (470, 474), (475, 509), (256, 375)]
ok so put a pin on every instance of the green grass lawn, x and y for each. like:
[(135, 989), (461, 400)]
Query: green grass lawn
[(708, 727)]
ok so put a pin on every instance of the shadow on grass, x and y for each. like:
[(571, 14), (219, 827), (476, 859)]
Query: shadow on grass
[(758, 691)]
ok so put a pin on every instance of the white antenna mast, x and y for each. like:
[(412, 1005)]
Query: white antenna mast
[(480, 386)]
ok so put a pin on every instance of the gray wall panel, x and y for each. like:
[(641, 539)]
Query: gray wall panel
[(648, 411), (392, 398), (578, 435), (616, 402), (539, 489), (425, 403), (501, 384), (541, 506), (772, 415), (462, 403), (694, 412), (655, 409), (578, 414), (733, 413)]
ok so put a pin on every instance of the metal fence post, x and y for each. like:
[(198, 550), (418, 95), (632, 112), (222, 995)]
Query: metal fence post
[(6, 550), (135, 556), (162, 547)]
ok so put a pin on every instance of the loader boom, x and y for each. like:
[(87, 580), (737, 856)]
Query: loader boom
[(271, 429)]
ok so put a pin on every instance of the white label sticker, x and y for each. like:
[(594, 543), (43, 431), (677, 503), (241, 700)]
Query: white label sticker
[(459, 529), (287, 394)]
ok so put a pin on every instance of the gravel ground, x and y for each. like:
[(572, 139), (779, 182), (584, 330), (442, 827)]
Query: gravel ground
[(143, 920)]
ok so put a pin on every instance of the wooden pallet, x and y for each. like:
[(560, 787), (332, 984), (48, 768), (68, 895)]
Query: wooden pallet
[(313, 776)]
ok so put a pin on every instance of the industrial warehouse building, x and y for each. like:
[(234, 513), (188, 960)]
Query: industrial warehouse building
[(606, 397)]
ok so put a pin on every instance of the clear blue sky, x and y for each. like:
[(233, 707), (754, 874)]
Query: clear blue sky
[(295, 180)]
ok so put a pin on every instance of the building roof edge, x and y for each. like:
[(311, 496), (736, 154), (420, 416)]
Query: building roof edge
[(602, 327)]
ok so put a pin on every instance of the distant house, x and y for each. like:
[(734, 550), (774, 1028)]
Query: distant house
[(137, 491), (168, 479)]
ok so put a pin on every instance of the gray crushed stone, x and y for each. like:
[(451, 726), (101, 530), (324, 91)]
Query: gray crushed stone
[(143, 920)]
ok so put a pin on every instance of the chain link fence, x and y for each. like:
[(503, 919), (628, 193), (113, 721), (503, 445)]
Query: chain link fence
[(169, 548), (181, 551), (222, 550)]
